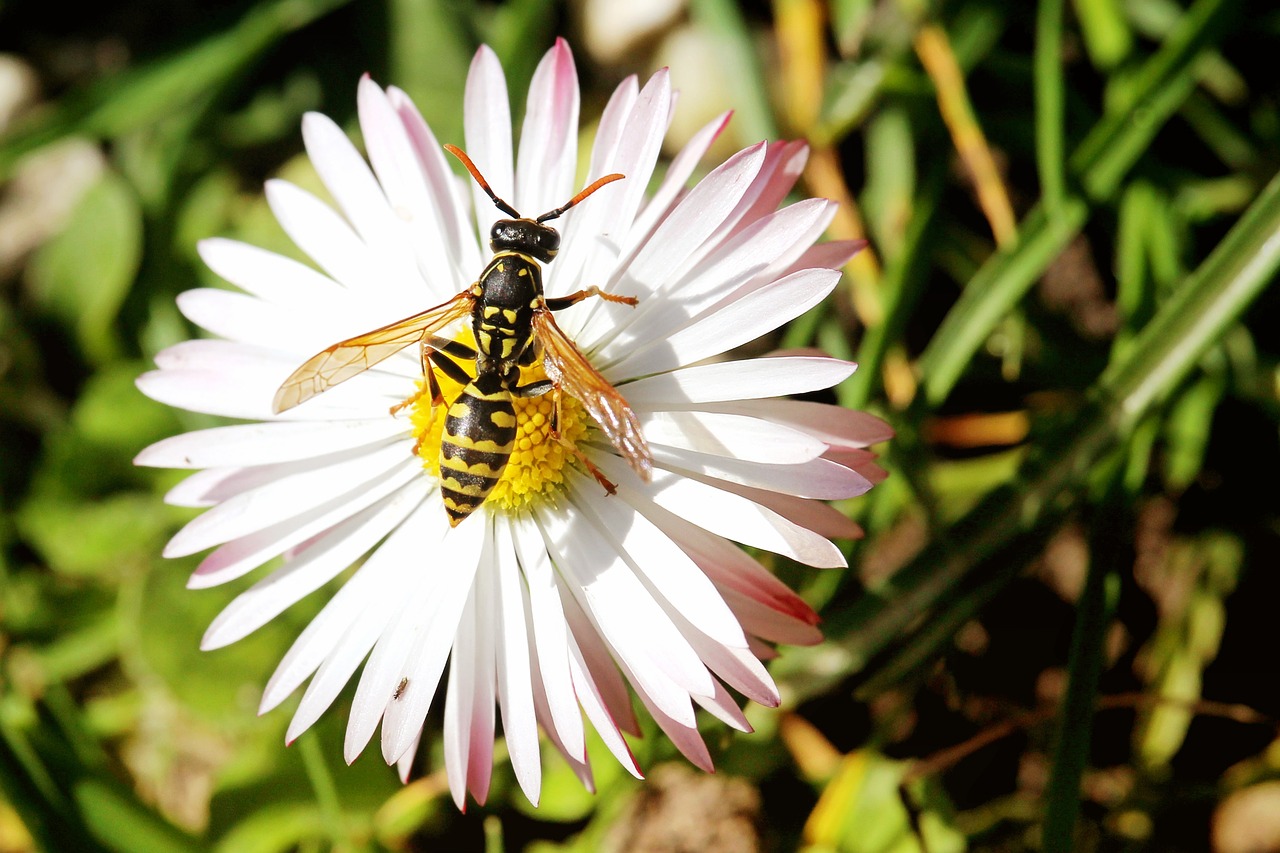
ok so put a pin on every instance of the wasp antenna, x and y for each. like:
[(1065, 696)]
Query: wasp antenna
[(555, 214), (484, 185)]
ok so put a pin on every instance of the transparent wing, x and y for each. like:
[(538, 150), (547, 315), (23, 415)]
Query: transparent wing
[(354, 356), (567, 366)]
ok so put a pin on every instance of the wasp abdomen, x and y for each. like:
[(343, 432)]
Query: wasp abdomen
[(479, 435)]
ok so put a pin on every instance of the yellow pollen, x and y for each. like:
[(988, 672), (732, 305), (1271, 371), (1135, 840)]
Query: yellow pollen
[(535, 470)]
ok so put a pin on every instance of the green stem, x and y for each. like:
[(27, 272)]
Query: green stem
[(322, 785), (1071, 750)]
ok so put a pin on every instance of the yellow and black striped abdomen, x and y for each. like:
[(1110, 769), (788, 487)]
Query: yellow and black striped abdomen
[(479, 435)]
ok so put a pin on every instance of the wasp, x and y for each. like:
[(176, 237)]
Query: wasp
[(400, 689), (514, 326)]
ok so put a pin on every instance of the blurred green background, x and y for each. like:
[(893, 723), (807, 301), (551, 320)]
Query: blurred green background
[(1059, 632)]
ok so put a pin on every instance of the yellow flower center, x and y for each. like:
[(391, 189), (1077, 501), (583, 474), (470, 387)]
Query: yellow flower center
[(536, 467)]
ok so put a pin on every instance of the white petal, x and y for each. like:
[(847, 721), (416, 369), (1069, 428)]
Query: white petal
[(730, 568), (764, 605), (613, 119), (723, 707), (401, 178), (624, 613), (469, 718), (817, 478), (549, 137), (457, 717), (242, 556), (238, 380), (581, 768), (405, 765), (594, 231), (287, 497), (359, 595), (333, 551), (748, 379), (597, 709), (215, 485), (456, 558), (681, 235), (449, 195), (740, 437), (680, 729), (195, 490), (487, 117), (265, 274), (320, 232), (391, 262), (551, 637), (832, 255), (243, 318), (741, 670), (336, 671), (769, 624), (832, 424), (232, 393), (392, 657), (597, 657), (363, 596), (821, 518), (482, 677), (723, 513), (755, 256), (515, 689), (678, 173), (265, 443), (738, 322), (673, 579), (586, 226), (779, 174)]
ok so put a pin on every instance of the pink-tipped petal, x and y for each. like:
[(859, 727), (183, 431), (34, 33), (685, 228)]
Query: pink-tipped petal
[(487, 117), (548, 160)]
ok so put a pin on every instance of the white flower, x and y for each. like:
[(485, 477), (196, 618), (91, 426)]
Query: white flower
[(553, 597)]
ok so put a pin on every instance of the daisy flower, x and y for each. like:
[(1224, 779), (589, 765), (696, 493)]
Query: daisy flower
[(555, 600)]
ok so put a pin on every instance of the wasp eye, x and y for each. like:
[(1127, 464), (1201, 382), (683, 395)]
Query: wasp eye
[(549, 239)]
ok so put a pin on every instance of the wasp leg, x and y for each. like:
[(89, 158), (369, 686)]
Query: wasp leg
[(531, 353), (559, 303), (444, 354), (609, 487), (533, 389), (439, 353)]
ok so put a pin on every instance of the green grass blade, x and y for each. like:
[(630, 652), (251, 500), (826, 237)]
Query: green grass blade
[(1106, 34), (67, 804), (994, 538), (148, 93), (1084, 668), (1099, 164), (1050, 110)]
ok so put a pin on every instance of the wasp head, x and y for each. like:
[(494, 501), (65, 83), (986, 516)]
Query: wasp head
[(525, 236)]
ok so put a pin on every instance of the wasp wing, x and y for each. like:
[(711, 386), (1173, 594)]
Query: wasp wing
[(355, 355), (566, 366)]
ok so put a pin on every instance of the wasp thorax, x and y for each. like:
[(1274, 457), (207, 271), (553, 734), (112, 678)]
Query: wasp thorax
[(526, 236)]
